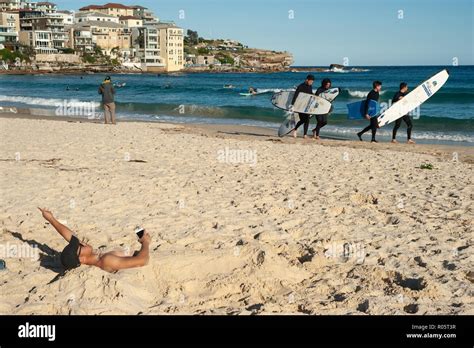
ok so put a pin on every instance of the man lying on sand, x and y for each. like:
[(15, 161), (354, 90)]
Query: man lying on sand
[(77, 253)]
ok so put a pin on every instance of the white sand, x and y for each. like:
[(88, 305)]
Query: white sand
[(232, 238)]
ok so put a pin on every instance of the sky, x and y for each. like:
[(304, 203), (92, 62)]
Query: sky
[(318, 33)]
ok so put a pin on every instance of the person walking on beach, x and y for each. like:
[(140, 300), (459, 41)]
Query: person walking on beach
[(407, 119), (321, 120), (373, 125), (305, 87), (107, 90), (77, 253)]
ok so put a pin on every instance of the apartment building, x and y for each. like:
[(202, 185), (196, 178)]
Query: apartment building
[(79, 38), (86, 16), (143, 13), (12, 5), (146, 47), (113, 9), (134, 30), (104, 34), (37, 20), (68, 17), (131, 21), (9, 27), (40, 40), (172, 45), (45, 7), (9, 5)]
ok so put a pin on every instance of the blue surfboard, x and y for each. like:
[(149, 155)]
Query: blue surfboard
[(356, 110)]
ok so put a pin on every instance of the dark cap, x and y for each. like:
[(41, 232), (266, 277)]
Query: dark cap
[(310, 77), (69, 256), (107, 78)]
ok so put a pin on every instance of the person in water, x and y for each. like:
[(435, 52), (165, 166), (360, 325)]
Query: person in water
[(252, 90), (77, 253), (321, 120), (373, 125), (407, 119), (108, 100), (305, 87)]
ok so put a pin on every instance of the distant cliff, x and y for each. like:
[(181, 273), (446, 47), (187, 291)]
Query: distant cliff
[(230, 55)]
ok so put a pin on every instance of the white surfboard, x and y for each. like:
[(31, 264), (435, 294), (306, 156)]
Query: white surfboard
[(331, 94), (288, 125), (414, 99), (305, 103)]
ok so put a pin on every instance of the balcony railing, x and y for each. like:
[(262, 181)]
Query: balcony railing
[(83, 37), (55, 24), (8, 33)]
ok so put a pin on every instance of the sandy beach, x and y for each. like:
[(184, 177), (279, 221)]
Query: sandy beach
[(242, 222)]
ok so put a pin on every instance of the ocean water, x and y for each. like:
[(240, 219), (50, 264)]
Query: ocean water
[(447, 117)]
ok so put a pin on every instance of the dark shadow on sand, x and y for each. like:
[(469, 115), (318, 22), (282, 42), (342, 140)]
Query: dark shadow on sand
[(48, 257), (276, 137), (246, 133)]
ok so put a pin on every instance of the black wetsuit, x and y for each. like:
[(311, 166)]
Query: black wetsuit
[(304, 118), (406, 118), (373, 95), (321, 120)]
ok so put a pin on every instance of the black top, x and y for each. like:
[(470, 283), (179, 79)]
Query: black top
[(69, 257), (107, 90), (373, 95), (398, 96), (303, 88), (321, 90)]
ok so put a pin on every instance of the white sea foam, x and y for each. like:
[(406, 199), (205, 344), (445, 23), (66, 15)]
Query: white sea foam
[(273, 90), (53, 102), (360, 94), (425, 135)]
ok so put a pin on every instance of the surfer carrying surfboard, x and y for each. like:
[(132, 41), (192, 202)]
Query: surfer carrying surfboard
[(407, 119), (373, 125), (305, 87), (321, 120)]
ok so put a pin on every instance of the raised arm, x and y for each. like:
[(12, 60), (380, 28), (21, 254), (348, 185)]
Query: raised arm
[(62, 230)]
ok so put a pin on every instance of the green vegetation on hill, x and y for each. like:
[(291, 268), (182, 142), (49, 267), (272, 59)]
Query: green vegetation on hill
[(225, 58), (10, 56), (98, 57)]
